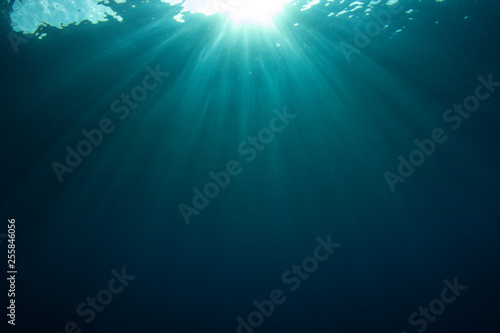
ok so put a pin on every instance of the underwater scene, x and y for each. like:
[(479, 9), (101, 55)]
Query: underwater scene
[(250, 166)]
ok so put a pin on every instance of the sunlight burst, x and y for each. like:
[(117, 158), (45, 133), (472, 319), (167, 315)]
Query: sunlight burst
[(260, 12)]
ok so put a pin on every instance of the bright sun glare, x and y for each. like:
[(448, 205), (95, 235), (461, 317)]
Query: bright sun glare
[(254, 11)]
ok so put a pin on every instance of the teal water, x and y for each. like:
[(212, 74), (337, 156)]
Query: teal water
[(320, 171)]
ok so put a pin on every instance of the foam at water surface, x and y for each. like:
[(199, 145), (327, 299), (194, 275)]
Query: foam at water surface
[(29, 15)]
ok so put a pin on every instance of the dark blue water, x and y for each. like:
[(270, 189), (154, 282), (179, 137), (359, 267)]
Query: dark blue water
[(330, 130)]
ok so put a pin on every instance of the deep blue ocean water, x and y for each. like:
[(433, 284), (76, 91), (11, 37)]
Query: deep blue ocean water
[(322, 174)]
